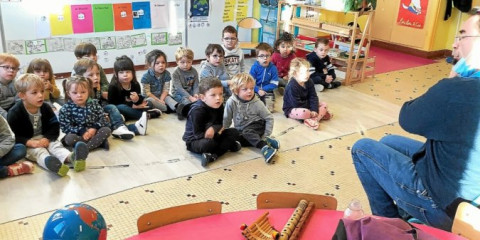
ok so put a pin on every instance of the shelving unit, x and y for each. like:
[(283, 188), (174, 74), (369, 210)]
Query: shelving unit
[(306, 17)]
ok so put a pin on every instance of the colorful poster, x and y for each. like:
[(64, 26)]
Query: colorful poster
[(141, 15), (122, 13), (229, 10), (61, 24), (412, 13), (103, 17), (159, 11), (82, 18), (199, 9), (42, 26)]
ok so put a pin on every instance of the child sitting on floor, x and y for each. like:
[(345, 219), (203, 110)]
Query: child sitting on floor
[(42, 68), (11, 152), (250, 116), (204, 133), (214, 67), (283, 55), (324, 71), (300, 100), (36, 126), (81, 118), (185, 80), (265, 74)]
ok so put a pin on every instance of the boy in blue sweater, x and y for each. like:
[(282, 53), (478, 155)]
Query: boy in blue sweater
[(265, 74)]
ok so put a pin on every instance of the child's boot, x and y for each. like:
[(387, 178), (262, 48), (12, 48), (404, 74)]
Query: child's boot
[(53, 164), (79, 156), (20, 168), (268, 153)]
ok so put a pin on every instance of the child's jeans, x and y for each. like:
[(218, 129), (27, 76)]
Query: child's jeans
[(55, 149), (16, 153)]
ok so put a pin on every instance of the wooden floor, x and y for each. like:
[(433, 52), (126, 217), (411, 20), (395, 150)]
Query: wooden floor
[(161, 155)]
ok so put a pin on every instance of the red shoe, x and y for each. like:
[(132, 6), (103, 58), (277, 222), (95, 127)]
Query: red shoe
[(20, 168)]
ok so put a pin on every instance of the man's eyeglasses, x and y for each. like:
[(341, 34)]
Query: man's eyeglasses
[(264, 56), (8, 68), (460, 38), (230, 39), (217, 56)]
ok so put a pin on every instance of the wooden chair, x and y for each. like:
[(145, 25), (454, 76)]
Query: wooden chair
[(467, 221), (162, 217), (266, 200), (250, 23)]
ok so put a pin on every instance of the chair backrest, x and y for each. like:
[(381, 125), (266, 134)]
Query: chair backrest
[(250, 23), (266, 200), (467, 221), (175, 214)]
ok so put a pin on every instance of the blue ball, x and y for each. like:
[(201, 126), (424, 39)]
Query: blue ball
[(76, 221)]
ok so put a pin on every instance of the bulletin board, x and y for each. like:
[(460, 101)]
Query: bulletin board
[(52, 28)]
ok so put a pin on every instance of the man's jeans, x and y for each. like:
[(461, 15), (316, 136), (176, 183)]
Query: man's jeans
[(390, 180)]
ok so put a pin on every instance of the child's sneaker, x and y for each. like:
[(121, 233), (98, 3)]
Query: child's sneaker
[(268, 153), (319, 88), (179, 111), (79, 156), (53, 164), (208, 158), (141, 124), (236, 147), (272, 142), (154, 113), (20, 168), (122, 132), (311, 123)]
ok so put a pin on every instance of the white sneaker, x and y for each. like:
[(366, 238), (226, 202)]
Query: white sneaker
[(319, 87), (141, 124), (122, 132)]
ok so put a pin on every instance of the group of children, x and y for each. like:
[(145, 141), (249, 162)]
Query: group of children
[(94, 109)]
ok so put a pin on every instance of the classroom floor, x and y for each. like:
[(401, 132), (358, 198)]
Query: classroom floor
[(155, 171)]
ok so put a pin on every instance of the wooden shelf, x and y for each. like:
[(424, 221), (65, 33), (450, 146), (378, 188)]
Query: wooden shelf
[(355, 67)]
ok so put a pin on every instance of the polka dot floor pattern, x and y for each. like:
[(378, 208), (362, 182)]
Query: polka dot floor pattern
[(327, 164)]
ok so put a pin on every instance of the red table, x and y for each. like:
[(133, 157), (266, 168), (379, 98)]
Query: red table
[(321, 225)]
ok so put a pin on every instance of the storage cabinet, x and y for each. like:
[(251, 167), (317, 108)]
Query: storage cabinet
[(307, 20)]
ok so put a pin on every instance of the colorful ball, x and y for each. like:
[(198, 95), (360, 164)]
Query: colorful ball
[(76, 221)]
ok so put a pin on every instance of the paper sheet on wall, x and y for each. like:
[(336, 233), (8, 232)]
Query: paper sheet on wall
[(199, 12), (82, 18), (35, 46), (139, 40), (42, 26), (122, 13), (55, 45), (107, 43), (123, 42), (229, 10), (141, 15), (61, 24), (159, 38), (16, 47), (242, 10), (159, 11), (178, 7), (175, 39), (103, 17)]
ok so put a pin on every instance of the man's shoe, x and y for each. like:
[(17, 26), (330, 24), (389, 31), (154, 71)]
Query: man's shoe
[(122, 132), (141, 124), (208, 158), (236, 146), (273, 142), (268, 153)]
